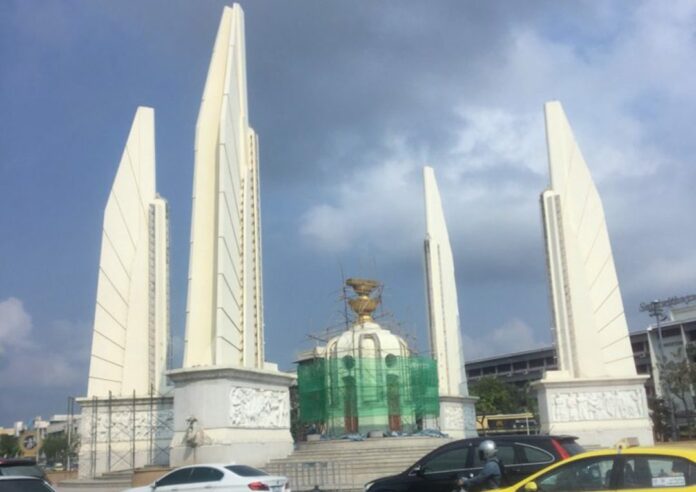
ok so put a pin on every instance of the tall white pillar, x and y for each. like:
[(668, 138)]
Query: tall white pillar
[(233, 401), (127, 406), (457, 408), (596, 393)]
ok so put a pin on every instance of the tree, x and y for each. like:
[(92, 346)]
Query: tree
[(56, 448), (498, 397), (660, 418), (678, 374), (494, 396), (9, 446), (527, 399)]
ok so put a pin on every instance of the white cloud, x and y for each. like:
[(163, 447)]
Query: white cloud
[(15, 324), (493, 136), (30, 359), (378, 209), (612, 80)]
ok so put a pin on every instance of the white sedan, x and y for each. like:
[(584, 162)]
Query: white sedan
[(219, 478)]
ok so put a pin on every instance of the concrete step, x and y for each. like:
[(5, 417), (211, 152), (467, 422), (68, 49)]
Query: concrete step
[(98, 485), (348, 465), (365, 452)]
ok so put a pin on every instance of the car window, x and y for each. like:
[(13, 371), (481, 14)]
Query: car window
[(587, 474), (572, 447), (176, 477), (650, 472), (246, 471), (205, 474), (506, 454), (22, 471), (532, 455), (453, 459)]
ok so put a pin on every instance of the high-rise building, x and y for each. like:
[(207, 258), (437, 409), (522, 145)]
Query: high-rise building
[(224, 322), (131, 320)]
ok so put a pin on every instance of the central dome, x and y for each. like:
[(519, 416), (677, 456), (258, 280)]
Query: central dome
[(366, 338), (367, 380)]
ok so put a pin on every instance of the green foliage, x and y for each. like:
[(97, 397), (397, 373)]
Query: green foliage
[(56, 448), (9, 446), (660, 418), (527, 400), (678, 374), (495, 396)]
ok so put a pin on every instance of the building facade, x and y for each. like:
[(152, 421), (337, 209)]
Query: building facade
[(523, 368)]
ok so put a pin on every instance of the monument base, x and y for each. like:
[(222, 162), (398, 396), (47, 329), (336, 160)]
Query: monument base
[(599, 411), (458, 416), (123, 433), (230, 414)]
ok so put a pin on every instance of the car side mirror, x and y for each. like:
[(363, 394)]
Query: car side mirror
[(418, 470), (530, 487)]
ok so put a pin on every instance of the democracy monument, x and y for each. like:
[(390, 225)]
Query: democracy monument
[(596, 394), (228, 403)]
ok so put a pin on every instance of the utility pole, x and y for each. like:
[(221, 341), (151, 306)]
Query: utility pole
[(655, 310)]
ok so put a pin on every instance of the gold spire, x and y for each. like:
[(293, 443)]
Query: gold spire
[(363, 304)]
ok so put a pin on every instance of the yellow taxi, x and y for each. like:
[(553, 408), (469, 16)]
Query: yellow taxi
[(636, 469)]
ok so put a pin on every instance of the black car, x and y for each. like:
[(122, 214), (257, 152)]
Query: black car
[(21, 467), (24, 484), (438, 470)]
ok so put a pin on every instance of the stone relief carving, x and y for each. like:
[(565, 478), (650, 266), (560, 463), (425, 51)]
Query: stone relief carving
[(254, 408), (597, 405), (118, 427)]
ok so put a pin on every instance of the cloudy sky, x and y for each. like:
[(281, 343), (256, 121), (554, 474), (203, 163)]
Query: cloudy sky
[(350, 100)]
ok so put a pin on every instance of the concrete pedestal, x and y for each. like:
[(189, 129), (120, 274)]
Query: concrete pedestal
[(229, 414), (458, 416), (123, 433), (600, 412)]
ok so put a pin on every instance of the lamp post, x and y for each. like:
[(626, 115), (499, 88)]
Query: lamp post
[(654, 309)]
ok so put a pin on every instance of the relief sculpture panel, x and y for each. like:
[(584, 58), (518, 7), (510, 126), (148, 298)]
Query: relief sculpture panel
[(598, 405), (259, 408)]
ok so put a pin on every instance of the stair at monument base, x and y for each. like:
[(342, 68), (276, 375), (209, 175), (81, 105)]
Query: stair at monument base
[(98, 485), (348, 465), (108, 482)]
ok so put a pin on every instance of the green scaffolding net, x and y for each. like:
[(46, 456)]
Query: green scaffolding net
[(360, 394)]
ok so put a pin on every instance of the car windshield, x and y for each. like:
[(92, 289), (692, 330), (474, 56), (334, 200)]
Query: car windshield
[(21, 471), (246, 471)]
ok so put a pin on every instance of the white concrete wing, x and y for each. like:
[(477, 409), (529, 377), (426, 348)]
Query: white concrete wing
[(590, 327), (131, 321), (441, 289), (224, 324)]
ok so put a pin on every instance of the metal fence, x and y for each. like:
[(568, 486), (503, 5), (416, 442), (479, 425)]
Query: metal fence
[(316, 475)]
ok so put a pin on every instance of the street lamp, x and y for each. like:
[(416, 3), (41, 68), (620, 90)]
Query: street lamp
[(655, 310)]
